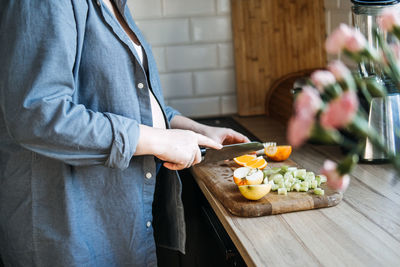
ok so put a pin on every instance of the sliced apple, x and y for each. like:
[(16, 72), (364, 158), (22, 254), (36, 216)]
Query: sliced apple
[(248, 176), (255, 192), (240, 174)]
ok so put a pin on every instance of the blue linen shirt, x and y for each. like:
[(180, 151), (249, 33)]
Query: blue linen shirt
[(71, 191)]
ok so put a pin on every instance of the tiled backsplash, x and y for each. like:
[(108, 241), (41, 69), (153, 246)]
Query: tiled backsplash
[(192, 43)]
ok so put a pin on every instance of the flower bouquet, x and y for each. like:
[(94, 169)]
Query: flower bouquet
[(328, 108)]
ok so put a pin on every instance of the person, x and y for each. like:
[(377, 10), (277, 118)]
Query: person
[(89, 151)]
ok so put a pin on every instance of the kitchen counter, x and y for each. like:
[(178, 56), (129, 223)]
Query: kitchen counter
[(362, 230)]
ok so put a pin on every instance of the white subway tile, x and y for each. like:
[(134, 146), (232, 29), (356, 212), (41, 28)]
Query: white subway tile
[(345, 5), (145, 8), (328, 21), (188, 7), (229, 104), (337, 17), (211, 29), (225, 55), (159, 56), (223, 6), (165, 31), (197, 107), (332, 4), (183, 58), (177, 84), (216, 82)]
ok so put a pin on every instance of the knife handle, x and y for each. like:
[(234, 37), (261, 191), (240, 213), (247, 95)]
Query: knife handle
[(203, 151)]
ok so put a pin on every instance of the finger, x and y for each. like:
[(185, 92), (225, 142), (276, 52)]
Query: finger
[(240, 138), (173, 166), (235, 137), (197, 158), (190, 163), (207, 142)]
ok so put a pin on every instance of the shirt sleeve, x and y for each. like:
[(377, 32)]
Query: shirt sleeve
[(38, 51), (171, 113)]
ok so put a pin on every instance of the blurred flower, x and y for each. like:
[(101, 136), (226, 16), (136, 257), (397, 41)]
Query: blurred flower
[(334, 179), (388, 19), (356, 43), (321, 117), (345, 38), (306, 106), (308, 101), (299, 129), (396, 51), (339, 70), (340, 111), (335, 42), (322, 78)]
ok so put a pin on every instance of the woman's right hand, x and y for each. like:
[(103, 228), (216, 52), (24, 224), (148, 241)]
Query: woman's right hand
[(178, 149)]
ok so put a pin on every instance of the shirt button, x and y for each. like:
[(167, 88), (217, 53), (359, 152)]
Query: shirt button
[(98, 2), (140, 85), (148, 224), (148, 175)]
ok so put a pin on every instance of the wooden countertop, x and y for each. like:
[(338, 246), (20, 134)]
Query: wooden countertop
[(362, 230)]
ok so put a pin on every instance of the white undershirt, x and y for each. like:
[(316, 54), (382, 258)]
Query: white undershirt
[(156, 112), (139, 51), (158, 117)]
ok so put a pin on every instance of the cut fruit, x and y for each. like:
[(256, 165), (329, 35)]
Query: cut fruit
[(255, 177), (248, 176), (255, 192), (239, 175), (259, 163), (242, 160), (278, 153)]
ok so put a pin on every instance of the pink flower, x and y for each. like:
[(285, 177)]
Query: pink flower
[(299, 129), (356, 42), (396, 51), (334, 179), (339, 70), (340, 111), (388, 19), (345, 37), (308, 101), (335, 42), (322, 78)]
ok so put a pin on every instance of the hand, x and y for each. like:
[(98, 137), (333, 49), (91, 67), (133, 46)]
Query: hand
[(178, 148), (181, 148), (224, 136)]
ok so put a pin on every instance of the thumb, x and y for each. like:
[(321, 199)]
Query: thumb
[(203, 140)]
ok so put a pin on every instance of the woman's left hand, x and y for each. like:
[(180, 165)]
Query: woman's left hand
[(224, 136)]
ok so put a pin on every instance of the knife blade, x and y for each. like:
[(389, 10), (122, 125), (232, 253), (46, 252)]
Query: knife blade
[(229, 151)]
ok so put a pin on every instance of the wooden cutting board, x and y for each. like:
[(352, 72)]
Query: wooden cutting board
[(218, 177), (273, 38)]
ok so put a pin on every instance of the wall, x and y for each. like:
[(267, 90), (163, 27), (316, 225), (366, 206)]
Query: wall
[(192, 42), (336, 12)]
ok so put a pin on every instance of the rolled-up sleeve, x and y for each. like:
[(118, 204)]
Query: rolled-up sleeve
[(171, 113), (38, 53)]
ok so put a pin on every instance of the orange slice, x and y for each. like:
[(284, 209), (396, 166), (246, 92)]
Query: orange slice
[(259, 163), (242, 160), (278, 153)]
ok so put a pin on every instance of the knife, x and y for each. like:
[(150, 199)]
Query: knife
[(229, 151)]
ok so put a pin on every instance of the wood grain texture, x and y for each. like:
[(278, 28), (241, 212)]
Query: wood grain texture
[(218, 177), (271, 39), (279, 98), (362, 230)]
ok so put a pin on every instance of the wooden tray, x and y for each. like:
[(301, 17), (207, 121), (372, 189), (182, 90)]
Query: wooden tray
[(218, 177)]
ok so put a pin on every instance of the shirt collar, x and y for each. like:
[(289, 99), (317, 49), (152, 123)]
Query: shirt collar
[(121, 6)]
